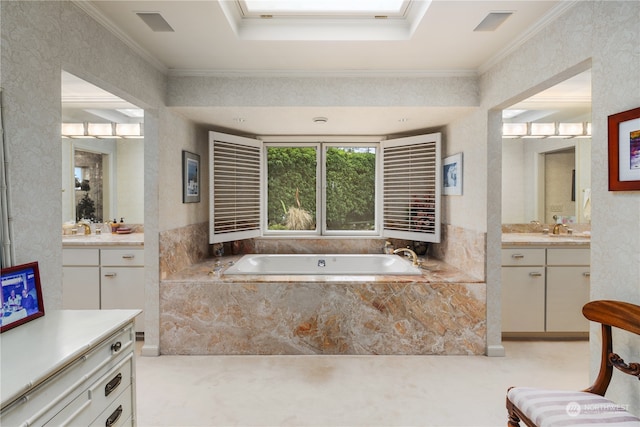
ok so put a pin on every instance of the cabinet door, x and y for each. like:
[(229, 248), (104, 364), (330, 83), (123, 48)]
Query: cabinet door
[(123, 287), (567, 293), (523, 294), (81, 288)]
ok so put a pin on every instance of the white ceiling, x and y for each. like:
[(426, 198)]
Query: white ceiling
[(443, 43)]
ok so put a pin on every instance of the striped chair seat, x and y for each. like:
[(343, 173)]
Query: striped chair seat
[(556, 408)]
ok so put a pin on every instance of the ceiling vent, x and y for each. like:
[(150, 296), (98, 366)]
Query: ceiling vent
[(492, 21), (156, 22)]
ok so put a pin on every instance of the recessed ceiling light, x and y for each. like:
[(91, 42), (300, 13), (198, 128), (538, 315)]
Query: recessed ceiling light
[(320, 120)]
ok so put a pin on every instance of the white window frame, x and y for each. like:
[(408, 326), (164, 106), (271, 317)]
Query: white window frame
[(265, 198), (349, 233), (433, 140)]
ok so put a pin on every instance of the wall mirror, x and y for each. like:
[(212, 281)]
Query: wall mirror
[(102, 155), (546, 155)]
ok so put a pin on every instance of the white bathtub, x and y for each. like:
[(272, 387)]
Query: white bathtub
[(330, 264)]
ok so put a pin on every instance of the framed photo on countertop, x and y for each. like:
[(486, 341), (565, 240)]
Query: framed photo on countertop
[(21, 295)]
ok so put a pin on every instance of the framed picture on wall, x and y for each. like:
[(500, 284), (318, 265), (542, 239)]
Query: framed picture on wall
[(624, 150), (190, 177), (21, 295), (452, 175)]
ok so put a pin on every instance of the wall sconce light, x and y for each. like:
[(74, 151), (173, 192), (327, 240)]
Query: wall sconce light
[(541, 130), (129, 130), (102, 130), (69, 130), (546, 130), (514, 130)]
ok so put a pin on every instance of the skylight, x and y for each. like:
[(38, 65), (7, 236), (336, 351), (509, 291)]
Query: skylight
[(326, 8), (335, 20)]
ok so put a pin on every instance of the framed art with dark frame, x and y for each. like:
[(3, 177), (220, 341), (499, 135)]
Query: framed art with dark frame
[(624, 150), (190, 177), (452, 175), (21, 295)]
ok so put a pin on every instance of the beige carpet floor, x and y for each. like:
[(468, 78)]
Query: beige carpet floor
[(350, 390)]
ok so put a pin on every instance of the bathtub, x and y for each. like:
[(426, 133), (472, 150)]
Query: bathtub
[(328, 264)]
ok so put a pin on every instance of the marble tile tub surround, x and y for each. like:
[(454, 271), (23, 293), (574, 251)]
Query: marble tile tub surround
[(442, 312), (183, 247), (462, 248)]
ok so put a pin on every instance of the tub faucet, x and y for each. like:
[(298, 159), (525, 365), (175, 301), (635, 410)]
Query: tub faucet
[(556, 228), (413, 254)]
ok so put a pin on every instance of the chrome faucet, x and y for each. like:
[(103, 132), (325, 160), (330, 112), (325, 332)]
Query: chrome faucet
[(556, 228), (413, 254)]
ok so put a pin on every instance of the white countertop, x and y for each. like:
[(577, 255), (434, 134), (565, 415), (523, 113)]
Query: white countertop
[(105, 239)]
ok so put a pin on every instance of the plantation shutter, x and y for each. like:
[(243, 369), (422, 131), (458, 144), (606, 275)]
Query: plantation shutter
[(234, 185), (412, 187)]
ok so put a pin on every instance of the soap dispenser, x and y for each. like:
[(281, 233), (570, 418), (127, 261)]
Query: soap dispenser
[(388, 248)]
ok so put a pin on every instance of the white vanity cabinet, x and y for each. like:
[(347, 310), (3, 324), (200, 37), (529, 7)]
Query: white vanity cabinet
[(104, 277), (523, 290), (122, 280), (568, 284), (81, 278), (544, 289), (70, 367)]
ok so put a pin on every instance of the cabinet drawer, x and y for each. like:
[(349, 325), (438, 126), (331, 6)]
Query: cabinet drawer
[(45, 401), (523, 257), (92, 402), (123, 257), (118, 413), (568, 256), (81, 257)]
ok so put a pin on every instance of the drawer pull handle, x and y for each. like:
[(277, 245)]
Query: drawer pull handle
[(517, 256), (114, 417), (110, 275), (112, 385), (116, 346), (535, 274), (128, 256), (587, 274)]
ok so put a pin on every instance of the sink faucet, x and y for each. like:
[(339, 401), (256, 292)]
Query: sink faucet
[(556, 228), (87, 228), (413, 254)]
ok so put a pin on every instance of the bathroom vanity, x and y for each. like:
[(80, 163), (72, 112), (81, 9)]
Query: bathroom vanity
[(104, 272), (545, 283), (70, 367)]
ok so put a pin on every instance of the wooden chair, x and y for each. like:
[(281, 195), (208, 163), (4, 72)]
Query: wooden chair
[(549, 408)]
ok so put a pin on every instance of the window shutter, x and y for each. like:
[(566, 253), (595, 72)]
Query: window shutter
[(234, 183), (411, 188)]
